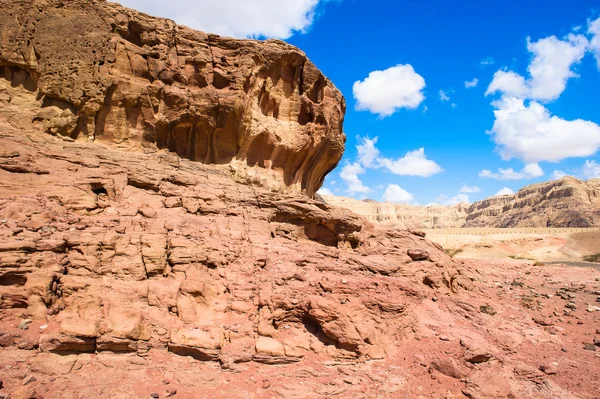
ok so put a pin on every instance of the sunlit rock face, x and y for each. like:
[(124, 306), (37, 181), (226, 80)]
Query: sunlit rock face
[(123, 78)]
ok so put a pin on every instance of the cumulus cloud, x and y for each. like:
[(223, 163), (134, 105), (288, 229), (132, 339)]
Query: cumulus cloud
[(549, 69), (324, 191), (367, 152), (558, 174), (413, 163), (530, 171), (594, 45), (237, 18), (591, 170), (396, 194), (531, 133), (385, 92), (505, 191), (444, 96), (471, 83), (349, 175), (469, 189)]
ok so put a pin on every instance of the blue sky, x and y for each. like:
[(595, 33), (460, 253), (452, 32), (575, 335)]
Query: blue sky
[(535, 108)]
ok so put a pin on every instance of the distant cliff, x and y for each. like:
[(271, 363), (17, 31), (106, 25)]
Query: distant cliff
[(567, 202), (405, 216)]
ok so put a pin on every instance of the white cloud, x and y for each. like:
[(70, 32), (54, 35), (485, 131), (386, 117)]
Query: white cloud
[(444, 96), (549, 70), (324, 191), (367, 152), (385, 92), (558, 174), (530, 171), (469, 189), (237, 18), (487, 61), (458, 199), (594, 45), (413, 163), (349, 175), (471, 83), (505, 191), (532, 134), (591, 170), (397, 194)]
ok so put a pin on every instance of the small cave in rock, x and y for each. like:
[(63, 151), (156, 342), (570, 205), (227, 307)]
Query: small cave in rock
[(314, 328), (134, 34), (220, 81), (98, 189), (18, 77), (9, 279), (316, 93)]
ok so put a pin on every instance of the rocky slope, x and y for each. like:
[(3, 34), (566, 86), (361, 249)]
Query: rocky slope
[(404, 216), (567, 202), (123, 78), (127, 273)]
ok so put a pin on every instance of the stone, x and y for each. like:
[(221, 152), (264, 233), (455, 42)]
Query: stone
[(589, 346), (549, 369), (571, 305), (24, 324), (29, 379), (448, 367), (269, 346), (418, 254), (487, 309)]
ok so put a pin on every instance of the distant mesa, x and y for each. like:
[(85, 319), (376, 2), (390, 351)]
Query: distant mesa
[(564, 203)]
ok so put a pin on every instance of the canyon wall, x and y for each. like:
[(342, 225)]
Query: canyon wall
[(405, 216), (567, 202), (110, 74)]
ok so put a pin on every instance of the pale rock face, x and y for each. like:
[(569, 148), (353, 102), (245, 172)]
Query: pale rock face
[(567, 202), (142, 83), (405, 216)]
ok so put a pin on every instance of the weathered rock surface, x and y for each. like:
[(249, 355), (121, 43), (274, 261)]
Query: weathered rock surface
[(151, 275), (125, 79), (564, 203), (567, 202)]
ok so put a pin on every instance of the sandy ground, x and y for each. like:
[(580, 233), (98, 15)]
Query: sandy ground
[(545, 245)]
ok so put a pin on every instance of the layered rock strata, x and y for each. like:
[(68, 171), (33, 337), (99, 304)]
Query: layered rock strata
[(563, 203), (122, 78)]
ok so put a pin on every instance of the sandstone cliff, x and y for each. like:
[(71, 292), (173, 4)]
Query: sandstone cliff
[(134, 263), (405, 216), (124, 252), (125, 79), (567, 202)]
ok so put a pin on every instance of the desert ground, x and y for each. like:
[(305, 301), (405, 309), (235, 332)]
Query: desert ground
[(536, 244)]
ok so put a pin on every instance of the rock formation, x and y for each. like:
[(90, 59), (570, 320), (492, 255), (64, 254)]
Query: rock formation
[(136, 262), (122, 78), (404, 216), (563, 203), (567, 202)]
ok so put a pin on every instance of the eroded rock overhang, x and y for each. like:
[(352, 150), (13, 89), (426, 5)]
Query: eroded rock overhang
[(110, 74)]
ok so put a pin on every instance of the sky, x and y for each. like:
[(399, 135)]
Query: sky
[(447, 101)]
